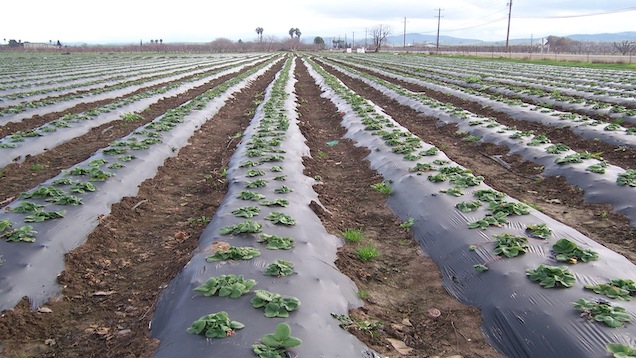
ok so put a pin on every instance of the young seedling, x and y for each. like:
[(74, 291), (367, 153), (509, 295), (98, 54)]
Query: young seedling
[(215, 325), (353, 235), (408, 224), (347, 323), (367, 252), (258, 183), (283, 190), (383, 187)]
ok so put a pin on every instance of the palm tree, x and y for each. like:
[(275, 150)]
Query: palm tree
[(297, 32), (259, 32), (160, 41), (292, 31)]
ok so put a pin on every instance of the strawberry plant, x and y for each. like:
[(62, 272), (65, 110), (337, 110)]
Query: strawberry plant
[(275, 344), (274, 304), (510, 246), (551, 276), (279, 268), (509, 208), (250, 195), (498, 220), (246, 211), (568, 251), (456, 192), (628, 178), (277, 202), (258, 183), (489, 195), (468, 206), (41, 216), (280, 178), (226, 286), (280, 218), (480, 267), (430, 151), (24, 233), (65, 200), (621, 350), (422, 167), (43, 192), (82, 187), (234, 253), (5, 225), (275, 242), (602, 311), (283, 190), (616, 288), (215, 325), (598, 168), (254, 173), (26, 207), (557, 148), (277, 169), (541, 231)]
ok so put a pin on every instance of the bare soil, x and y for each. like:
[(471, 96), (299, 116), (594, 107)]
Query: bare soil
[(111, 283)]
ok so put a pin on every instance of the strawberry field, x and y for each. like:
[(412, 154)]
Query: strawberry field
[(264, 204)]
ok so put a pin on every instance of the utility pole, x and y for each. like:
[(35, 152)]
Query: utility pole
[(365, 38), (404, 44), (439, 18), (353, 41), (508, 33)]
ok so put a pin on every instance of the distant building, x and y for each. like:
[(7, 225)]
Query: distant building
[(38, 45)]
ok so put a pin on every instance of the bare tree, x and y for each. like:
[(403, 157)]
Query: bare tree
[(625, 47), (379, 33)]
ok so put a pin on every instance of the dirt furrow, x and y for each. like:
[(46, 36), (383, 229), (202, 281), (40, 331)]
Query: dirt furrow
[(111, 283)]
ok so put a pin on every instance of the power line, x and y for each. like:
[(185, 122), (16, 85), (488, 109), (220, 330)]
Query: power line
[(606, 12)]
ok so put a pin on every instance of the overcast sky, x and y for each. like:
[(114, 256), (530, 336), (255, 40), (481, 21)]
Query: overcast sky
[(130, 21)]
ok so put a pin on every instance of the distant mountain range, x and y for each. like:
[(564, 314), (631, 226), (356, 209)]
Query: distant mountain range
[(420, 39)]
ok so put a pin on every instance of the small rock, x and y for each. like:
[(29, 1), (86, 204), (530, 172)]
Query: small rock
[(45, 310), (49, 342), (434, 312), (407, 322), (124, 332)]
